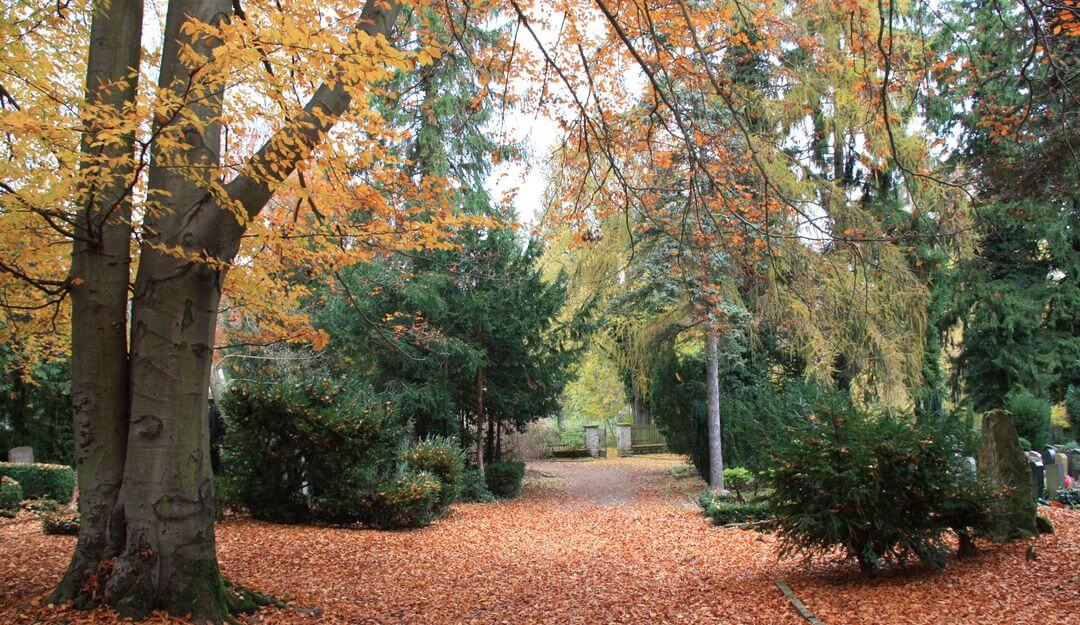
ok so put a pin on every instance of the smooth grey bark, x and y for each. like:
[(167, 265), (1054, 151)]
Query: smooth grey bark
[(480, 421), (716, 449), (100, 267), (169, 559)]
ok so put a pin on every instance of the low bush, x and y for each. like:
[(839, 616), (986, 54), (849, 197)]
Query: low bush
[(504, 478), (11, 496), (725, 511), (443, 458), (61, 524), (1025, 444), (42, 481), (473, 488), (739, 480), (880, 488), (305, 451), (407, 502)]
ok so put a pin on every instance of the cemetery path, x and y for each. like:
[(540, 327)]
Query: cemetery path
[(586, 543)]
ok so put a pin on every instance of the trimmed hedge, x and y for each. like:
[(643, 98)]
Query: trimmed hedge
[(408, 502), (42, 481), (729, 511), (504, 478), (11, 495)]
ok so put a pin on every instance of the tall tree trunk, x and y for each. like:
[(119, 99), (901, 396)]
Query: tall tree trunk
[(716, 448), (639, 408), (480, 420), (169, 560), (489, 451), (100, 270)]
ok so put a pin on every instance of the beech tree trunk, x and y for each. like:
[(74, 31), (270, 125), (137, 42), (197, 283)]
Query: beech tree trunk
[(716, 448), (100, 266), (141, 410)]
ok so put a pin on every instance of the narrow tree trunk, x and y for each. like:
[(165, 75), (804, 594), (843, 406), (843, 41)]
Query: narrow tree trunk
[(498, 441), (716, 451), (100, 270), (480, 421), (489, 451)]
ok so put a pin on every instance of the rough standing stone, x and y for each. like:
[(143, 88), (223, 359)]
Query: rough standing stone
[(1002, 463), (623, 440), (21, 454)]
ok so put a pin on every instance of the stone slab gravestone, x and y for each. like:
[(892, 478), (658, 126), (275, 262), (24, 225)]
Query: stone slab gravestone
[(1037, 472), (1062, 465), (21, 454), (1053, 476), (1004, 466), (623, 439)]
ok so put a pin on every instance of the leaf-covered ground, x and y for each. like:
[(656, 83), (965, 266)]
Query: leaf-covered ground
[(613, 541)]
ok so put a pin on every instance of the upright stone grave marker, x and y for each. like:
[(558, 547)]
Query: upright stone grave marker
[(21, 454), (1050, 470), (1074, 463), (1037, 472)]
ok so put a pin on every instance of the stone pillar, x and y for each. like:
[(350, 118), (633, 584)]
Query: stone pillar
[(623, 440), (592, 440)]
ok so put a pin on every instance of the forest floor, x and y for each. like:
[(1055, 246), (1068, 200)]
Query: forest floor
[(591, 542)]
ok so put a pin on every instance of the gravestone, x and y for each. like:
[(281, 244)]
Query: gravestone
[(1074, 463), (21, 454), (1037, 472), (623, 440), (1062, 465), (1004, 466), (1054, 482), (970, 464), (592, 440), (1048, 456)]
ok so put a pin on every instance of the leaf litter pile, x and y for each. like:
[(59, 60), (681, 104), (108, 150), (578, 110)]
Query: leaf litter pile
[(613, 541)]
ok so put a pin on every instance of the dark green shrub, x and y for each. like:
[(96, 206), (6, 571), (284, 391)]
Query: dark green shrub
[(61, 524), (1031, 415), (1072, 410), (305, 450), (407, 502), (1025, 444), (42, 481), (503, 479), (473, 488), (11, 496), (724, 511), (445, 459), (880, 488)]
